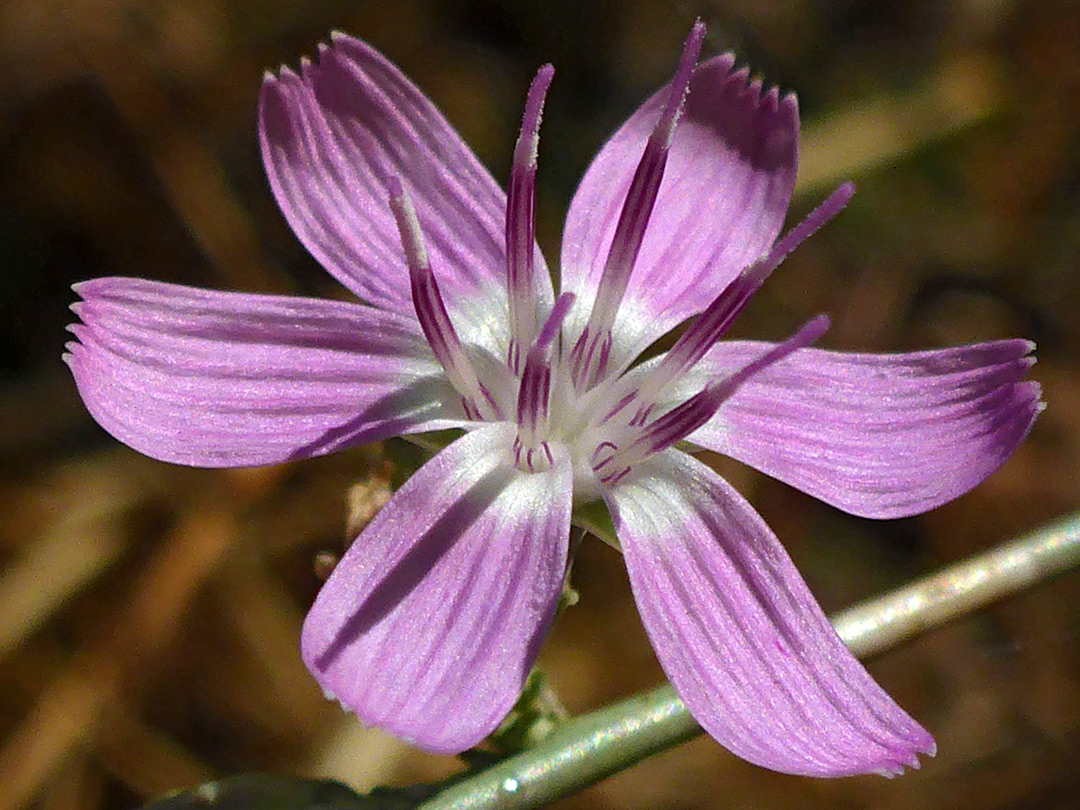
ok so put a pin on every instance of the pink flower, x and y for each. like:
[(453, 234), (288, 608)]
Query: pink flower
[(433, 618)]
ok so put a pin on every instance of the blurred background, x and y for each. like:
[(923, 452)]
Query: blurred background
[(149, 614)]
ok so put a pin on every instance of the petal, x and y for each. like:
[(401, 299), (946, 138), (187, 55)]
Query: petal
[(877, 435), (740, 636), (431, 621), (729, 178), (215, 379), (330, 139)]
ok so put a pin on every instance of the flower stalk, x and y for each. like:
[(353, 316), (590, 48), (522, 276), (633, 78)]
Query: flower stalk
[(597, 745)]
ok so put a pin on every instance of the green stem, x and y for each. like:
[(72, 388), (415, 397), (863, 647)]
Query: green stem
[(597, 745)]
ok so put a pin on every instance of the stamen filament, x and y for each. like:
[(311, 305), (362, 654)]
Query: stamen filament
[(521, 219), (534, 395), (716, 319), (588, 365), (554, 322), (703, 334), (681, 421), (431, 310), (832, 205)]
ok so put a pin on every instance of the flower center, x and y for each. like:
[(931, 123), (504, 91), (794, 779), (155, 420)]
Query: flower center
[(609, 420)]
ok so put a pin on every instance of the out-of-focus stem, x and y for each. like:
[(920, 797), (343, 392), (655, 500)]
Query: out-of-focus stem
[(604, 742)]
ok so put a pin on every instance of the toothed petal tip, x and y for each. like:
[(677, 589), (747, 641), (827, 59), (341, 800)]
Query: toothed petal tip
[(328, 135), (771, 99)]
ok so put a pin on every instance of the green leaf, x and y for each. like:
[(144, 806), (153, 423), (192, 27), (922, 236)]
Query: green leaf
[(536, 714), (594, 518)]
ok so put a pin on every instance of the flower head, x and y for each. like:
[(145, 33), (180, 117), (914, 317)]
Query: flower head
[(433, 618)]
